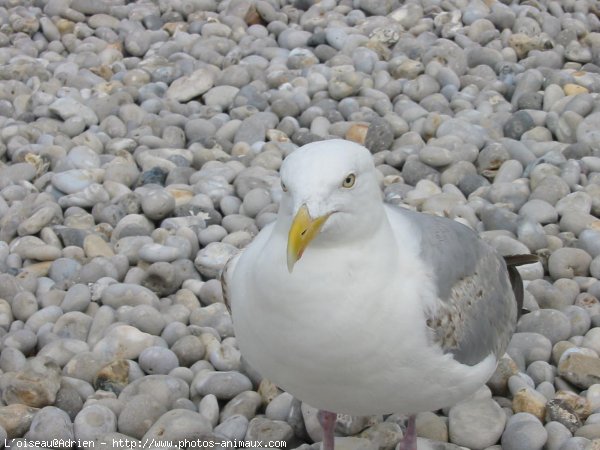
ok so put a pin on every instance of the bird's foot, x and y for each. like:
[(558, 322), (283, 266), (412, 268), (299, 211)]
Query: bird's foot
[(327, 420), (409, 442)]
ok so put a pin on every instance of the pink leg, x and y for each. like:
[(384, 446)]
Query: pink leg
[(409, 442), (327, 420)]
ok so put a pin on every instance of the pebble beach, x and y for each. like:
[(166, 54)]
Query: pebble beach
[(140, 143)]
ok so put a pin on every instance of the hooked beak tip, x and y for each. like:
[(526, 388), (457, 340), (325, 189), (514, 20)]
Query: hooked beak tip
[(290, 263)]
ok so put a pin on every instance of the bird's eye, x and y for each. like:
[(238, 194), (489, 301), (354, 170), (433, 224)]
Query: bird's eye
[(349, 181), (283, 186)]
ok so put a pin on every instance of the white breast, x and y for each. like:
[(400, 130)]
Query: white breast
[(343, 335)]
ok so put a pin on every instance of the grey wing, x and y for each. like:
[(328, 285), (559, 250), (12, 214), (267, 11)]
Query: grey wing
[(225, 279), (477, 310)]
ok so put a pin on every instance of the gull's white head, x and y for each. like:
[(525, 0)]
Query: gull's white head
[(331, 195)]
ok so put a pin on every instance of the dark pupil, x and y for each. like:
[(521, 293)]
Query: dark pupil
[(348, 180)]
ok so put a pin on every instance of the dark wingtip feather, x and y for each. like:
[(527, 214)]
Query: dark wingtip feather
[(517, 286), (520, 260), (512, 261)]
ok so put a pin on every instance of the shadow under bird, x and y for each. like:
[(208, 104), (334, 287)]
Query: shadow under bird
[(359, 307)]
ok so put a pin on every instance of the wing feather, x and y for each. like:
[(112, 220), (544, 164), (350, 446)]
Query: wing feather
[(225, 279), (476, 311)]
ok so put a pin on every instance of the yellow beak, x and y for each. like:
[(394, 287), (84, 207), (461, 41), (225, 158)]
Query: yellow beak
[(303, 230)]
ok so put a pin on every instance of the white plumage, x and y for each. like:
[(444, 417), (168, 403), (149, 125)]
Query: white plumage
[(367, 321)]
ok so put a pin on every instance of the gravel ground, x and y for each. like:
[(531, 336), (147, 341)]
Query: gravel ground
[(140, 144)]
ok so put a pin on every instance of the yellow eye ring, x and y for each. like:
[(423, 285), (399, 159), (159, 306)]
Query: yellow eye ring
[(349, 181), (283, 186)]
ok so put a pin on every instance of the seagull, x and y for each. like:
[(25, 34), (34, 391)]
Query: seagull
[(359, 307)]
